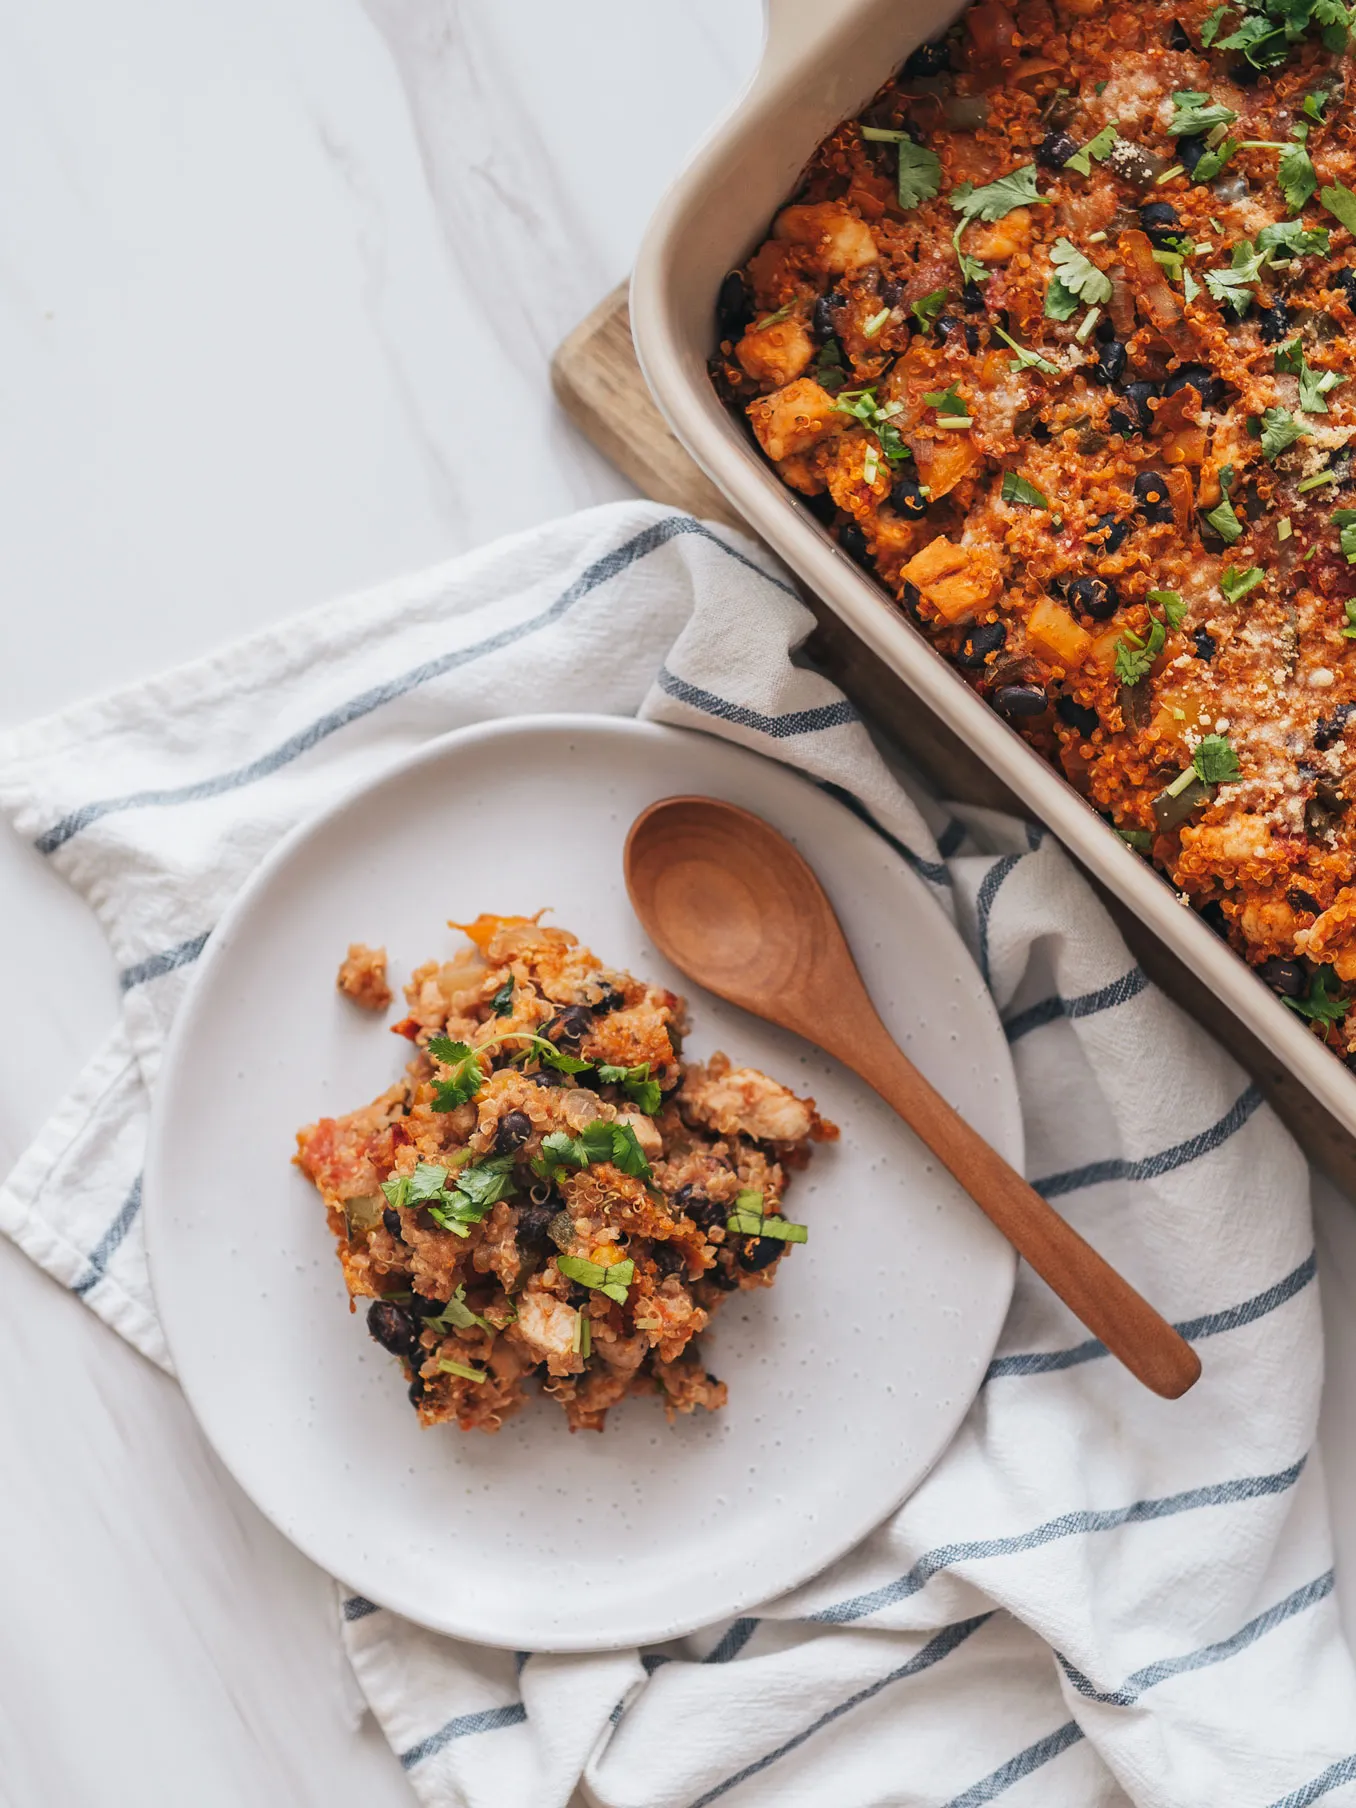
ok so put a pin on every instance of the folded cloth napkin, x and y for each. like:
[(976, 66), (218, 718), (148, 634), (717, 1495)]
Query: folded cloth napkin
[(1096, 1596)]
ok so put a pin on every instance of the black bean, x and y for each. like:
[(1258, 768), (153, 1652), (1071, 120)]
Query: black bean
[(822, 507), (1202, 379), (892, 293), (1177, 38), (1138, 394), (416, 1390), (1205, 644), (822, 318), (1119, 422), (972, 298), (668, 1259), (1347, 281), (907, 495), (971, 336), (1284, 976), (568, 1028), (946, 323), (1274, 324), (1055, 150), (1243, 74), (718, 1278), (1077, 715), (1109, 535), (427, 1308), (1021, 700), (1213, 913), (702, 1210), (577, 1294), (613, 997), (534, 1223), (911, 596), (734, 305), (391, 1219), (1152, 497), (1105, 329), (1092, 596), (978, 643), (393, 1327), (512, 1132), (1160, 222), (853, 542), (1039, 430), (760, 1252), (1328, 729), (928, 59), (1110, 365), (1189, 153)]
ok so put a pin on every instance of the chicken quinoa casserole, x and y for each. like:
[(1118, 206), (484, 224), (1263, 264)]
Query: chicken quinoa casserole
[(1058, 339), (550, 1191)]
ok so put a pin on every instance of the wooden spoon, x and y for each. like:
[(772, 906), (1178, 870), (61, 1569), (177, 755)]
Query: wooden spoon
[(732, 904)]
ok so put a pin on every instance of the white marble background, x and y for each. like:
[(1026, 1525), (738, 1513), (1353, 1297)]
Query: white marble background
[(279, 284)]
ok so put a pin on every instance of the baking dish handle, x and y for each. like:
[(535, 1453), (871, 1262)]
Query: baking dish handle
[(789, 28)]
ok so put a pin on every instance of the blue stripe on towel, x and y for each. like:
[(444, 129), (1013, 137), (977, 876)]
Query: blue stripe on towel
[(1087, 1004), (731, 1642), (938, 1647), (931, 870), (1149, 1167), (778, 728), (1068, 1525), (164, 962), (611, 565), (489, 1720), (988, 890), (1021, 1766), (1344, 1771), (1211, 1324), (104, 1250), (356, 1608), (1152, 1674)]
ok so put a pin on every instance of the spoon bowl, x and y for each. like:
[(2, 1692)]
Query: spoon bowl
[(736, 908)]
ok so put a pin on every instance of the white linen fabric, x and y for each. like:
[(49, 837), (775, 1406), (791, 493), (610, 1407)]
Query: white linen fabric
[(1096, 1597)]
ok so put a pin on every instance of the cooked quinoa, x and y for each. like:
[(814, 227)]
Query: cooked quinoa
[(1056, 338), (550, 1191), (362, 977)]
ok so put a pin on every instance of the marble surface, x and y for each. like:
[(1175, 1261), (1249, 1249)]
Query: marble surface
[(279, 284)]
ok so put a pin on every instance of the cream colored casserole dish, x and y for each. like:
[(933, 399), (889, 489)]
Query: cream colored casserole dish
[(820, 64)]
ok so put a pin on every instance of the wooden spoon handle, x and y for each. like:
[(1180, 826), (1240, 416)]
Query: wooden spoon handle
[(1104, 1300)]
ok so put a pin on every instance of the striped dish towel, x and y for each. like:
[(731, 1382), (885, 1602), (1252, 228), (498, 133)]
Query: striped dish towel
[(1096, 1597)]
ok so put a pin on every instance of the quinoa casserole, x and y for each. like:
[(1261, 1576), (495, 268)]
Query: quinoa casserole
[(1057, 339), (549, 1190)]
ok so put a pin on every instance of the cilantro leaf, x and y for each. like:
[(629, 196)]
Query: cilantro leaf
[(502, 1002), (1349, 631), (1340, 203), (863, 406), (456, 1315), (1314, 104), (1230, 288), (1289, 359), (1017, 489), (1345, 520), (465, 1077), (1060, 303), (1210, 164), (635, 1082), (926, 309), (1291, 238), (480, 1184), (1194, 113), (991, 202), (1297, 177), (1099, 147), (598, 1141), (426, 1182), (1170, 601), (1236, 584), (947, 401), (1210, 25), (1314, 385), (1318, 1004), (1078, 274), (1222, 517), (1280, 430), (919, 174), (828, 369), (1215, 761), (1134, 656), (1026, 360)]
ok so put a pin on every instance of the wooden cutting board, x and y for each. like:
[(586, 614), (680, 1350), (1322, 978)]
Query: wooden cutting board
[(598, 383)]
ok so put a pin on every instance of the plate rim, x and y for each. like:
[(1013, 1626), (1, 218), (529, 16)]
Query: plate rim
[(217, 949)]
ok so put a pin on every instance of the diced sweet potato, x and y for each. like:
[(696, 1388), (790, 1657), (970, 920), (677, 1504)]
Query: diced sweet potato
[(944, 463), (1057, 634), (938, 559), (793, 419)]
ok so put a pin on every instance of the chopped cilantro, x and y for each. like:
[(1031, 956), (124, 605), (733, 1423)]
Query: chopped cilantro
[(1222, 517), (612, 1280), (480, 1184), (919, 175), (1345, 520), (635, 1082), (1017, 489), (1318, 1004), (1314, 104), (1215, 761), (1026, 360), (946, 401), (456, 1315), (1314, 386), (1289, 359), (465, 1076), (1212, 162), (776, 319), (1170, 602), (1232, 287), (1296, 175), (828, 369), (991, 202), (1134, 656), (928, 307), (1341, 204), (875, 323), (502, 1002), (863, 406), (1280, 430), (1194, 113), (1236, 584), (1290, 238), (1316, 482), (1349, 631), (1210, 25), (1077, 279), (749, 1220), (598, 1141), (460, 1368), (1099, 147)]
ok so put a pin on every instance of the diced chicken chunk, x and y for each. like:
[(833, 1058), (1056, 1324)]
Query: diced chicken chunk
[(777, 353), (740, 1101), (841, 242), (545, 1327), (792, 419)]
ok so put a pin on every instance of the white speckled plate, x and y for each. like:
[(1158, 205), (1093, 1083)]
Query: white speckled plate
[(846, 1379)]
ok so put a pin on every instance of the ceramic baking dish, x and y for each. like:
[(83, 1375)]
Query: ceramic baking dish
[(822, 60)]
